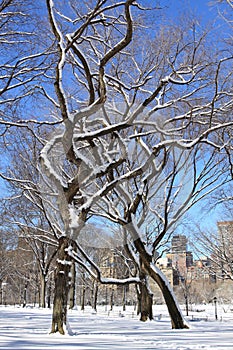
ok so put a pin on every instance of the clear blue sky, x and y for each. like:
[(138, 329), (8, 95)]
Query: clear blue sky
[(204, 8), (206, 11), (172, 9)]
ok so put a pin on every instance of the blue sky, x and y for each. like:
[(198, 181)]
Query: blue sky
[(206, 11), (199, 7), (172, 9)]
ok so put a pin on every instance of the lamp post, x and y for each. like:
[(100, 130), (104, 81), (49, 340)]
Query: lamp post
[(215, 307)]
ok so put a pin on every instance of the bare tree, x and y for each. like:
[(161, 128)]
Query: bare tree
[(23, 211), (98, 138), (160, 204), (24, 61), (6, 268), (123, 123), (217, 245)]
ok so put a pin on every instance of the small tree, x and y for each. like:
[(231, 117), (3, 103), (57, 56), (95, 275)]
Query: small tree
[(33, 228)]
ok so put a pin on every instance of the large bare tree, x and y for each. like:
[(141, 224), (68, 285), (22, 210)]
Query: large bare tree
[(124, 118), (182, 105), (150, 205)]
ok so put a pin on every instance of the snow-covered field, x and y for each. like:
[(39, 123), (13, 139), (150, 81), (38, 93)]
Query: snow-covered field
[(29, 329)]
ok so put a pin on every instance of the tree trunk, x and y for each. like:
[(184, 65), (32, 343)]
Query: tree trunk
[(139, 299), (25, 294), (83, 297), (72, 285), (112, 299), (175, 313), (177, 319), (95, 297), (186, 304), (43, 291), (146, 297), (146, 302), (49, 296), (124, 298), (61, 287)]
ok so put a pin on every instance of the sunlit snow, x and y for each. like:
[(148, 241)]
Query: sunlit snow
[(28, 328)]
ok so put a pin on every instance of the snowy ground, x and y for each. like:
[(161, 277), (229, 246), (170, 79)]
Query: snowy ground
[(29, 329)]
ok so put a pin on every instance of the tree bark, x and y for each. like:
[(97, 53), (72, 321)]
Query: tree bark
[(138, 299), (59, 318), (49, 296), (112, 299), (175, 313), (72, 285), (25, 294), (176, 316), (95, 296), (43, 291), (146, 304), (83, 297), (124, 298), (146, 297)]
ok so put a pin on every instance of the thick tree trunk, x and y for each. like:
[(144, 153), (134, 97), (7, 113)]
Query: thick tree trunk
[(146, 302), (61, 288), (177, 319), (146, 297), (175, 313)]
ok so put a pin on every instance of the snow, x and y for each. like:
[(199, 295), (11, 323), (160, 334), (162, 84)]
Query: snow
[(28, 328), (64, 262)]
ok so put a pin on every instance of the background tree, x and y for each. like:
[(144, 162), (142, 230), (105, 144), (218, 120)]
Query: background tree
[(217, 245), (6, 264), (24, 63), (23, 210)]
